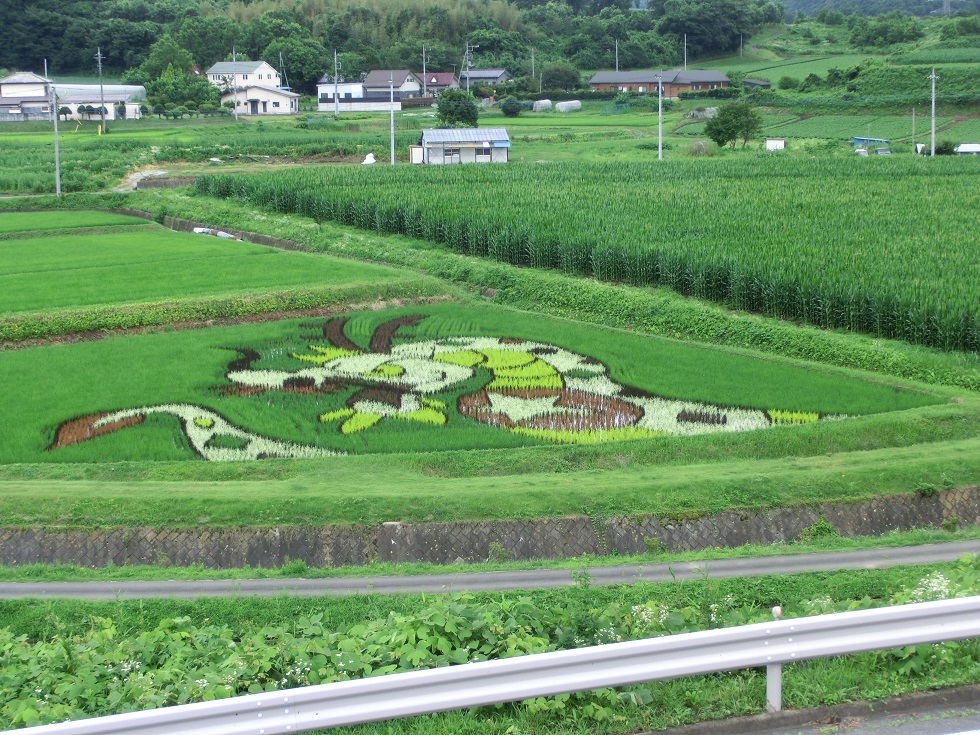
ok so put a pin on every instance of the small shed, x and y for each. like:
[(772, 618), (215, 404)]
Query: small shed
[(775, 144), (968, 149), (464, 145), (868, 142), (756, 84)]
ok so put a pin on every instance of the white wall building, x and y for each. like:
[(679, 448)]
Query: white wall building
[(462, 145), (229, 74), (256, 100)]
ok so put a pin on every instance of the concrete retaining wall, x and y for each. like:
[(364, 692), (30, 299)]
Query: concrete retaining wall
[(442, 543)]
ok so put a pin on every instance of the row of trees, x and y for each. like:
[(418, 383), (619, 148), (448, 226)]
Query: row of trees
[(372, 34)]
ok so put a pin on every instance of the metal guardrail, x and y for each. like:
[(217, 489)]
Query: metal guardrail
[(547, 674)]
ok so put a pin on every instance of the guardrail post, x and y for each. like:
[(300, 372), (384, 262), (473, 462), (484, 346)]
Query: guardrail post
[(774, 676), (774, 687)]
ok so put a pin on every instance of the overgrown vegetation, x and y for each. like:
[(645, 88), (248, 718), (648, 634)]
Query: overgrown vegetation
[(145, 655)]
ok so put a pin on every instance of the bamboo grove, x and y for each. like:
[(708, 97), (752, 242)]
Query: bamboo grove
[(887, 247)]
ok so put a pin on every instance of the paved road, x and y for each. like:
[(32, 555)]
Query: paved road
[(943, 712), (492, 581)]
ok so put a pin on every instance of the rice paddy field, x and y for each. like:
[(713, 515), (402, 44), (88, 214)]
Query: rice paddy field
[(429, 411), (60, 264)]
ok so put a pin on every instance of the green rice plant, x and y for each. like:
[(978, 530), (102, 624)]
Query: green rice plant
[(61, 272), (23, 222), (530, 382)]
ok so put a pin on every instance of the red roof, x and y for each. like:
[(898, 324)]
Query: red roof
[(438, 78)]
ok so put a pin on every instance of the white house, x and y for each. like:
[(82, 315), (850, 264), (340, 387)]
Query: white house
[(350, 97), (227, 75), (24, 84), (255, 100), (462, 145)]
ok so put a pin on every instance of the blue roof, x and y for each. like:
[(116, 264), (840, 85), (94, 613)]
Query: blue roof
[(497, 136)]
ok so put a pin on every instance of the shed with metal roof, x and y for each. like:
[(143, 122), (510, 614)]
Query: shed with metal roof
[(464, 145)]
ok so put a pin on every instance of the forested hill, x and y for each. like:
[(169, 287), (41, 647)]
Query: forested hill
[(877, 7), (374, 33)]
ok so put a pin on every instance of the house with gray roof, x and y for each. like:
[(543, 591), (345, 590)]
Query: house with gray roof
[(674, 81), (485, 76), (462, 145), (400, 83)]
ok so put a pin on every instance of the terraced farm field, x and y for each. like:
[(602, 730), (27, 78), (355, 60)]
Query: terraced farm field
[(844, 127)]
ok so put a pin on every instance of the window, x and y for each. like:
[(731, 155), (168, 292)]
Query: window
[(483, 151), (244, 77), (450, 154), (275, 104), (642, 88)]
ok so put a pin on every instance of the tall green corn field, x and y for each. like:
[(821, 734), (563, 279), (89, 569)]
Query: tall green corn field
[(888, 247)]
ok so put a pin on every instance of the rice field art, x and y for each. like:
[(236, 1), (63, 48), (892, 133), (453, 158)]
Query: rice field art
[(396, 381)]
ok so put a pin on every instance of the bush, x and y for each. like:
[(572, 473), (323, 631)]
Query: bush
[(788, 83), (511, 107)]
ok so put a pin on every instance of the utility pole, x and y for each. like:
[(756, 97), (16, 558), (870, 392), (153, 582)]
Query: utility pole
[(425, 87), (913, 131), (391, 93), (932, 138), (617, 54), (234, 81), (98, 58), (660, 118), (336, 78), (740, 46), (685, 52), (532, 62), (57, 156), (283, 67), (467, 59)]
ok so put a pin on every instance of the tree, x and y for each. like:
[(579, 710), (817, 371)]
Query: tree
[(456, 108), (560, 75), (735, 120), (165, 52), (303, 58), (176, 87)]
